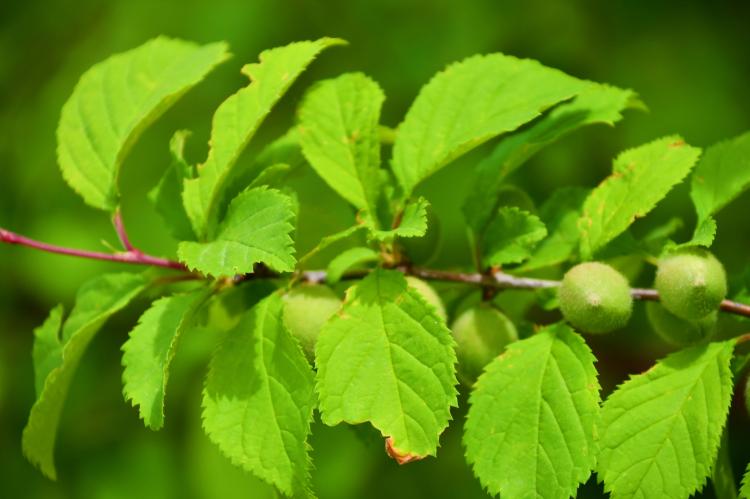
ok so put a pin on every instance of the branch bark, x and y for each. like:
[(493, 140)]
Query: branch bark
[(497, 280), (132, 256)]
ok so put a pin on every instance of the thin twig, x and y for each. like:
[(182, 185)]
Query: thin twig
[(736, 308), (644, 294), (121, 232), (498, 280), (132, 257)]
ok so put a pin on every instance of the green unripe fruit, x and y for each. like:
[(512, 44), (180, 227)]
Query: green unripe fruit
[(306, 309), (691, 283), (481, 333), (595, 298), (429, 294), (677, 331)]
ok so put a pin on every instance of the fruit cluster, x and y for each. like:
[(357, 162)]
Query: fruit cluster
[(596, 298)]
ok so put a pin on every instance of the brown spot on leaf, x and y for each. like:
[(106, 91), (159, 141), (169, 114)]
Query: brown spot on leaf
[(677, 143), (399, 456)]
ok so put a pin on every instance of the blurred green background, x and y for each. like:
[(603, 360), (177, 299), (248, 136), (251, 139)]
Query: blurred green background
[(689, 61)]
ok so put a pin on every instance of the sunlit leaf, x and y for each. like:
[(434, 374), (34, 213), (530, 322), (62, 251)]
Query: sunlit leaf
[(256, 229), (236, 121), (387, 358), (258, 400), (338, 124), (511, 236), (721, 175), (531, 427), (115, 101), (661, 429), (96, 301), (641, 177), (150, 349), (596, 104), (469, 103)]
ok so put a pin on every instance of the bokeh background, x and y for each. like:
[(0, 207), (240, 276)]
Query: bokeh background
[(689, 61)]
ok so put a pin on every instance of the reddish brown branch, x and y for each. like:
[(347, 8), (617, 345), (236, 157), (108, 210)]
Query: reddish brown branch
[(134, 257), (121, 232), (498, 280)]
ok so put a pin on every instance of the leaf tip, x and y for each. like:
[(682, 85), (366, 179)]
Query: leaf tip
[(398, 455)]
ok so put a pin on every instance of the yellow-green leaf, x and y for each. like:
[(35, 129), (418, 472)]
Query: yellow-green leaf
[(115, 101), (235, 123)]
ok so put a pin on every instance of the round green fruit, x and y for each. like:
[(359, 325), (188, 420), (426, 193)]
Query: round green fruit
[(595, 298), (481, 333), (306, 309), (429, 294), (691, 283), (677, 331)]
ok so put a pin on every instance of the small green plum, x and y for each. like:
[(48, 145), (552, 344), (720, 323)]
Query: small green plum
[(306, 309), (481, 333), (691, 283), (595, 298), (428, 293), (677, 331)]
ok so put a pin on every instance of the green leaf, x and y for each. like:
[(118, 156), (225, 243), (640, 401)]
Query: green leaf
[(167, 195), (388, 358), (256, 229), (745, 490), (531, 426), (641, 178), (661, 429), (338, 125), (560, 213), (115, 101), (47, 352), (704, 235), (595, 104), (511, 237), (705, 232), (347, 260), (236, 121), (413, 222), (149, 350), (722, 174), (469, 103), (258, 400), (96, 301)]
